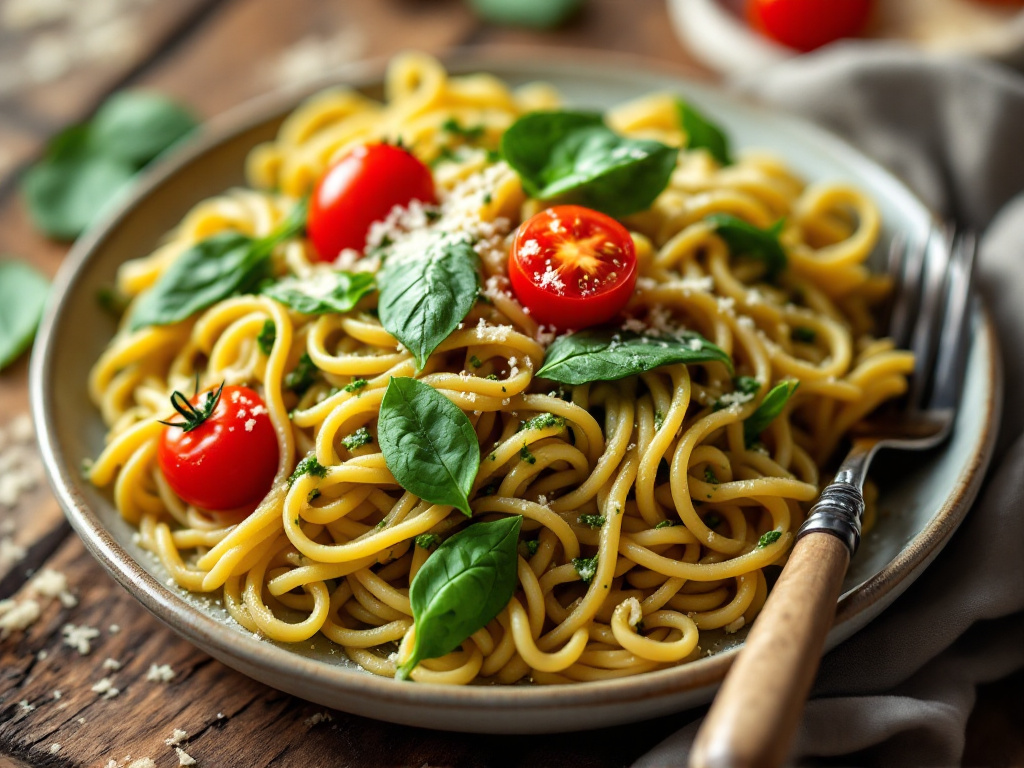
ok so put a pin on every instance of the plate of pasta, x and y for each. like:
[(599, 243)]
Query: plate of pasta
[(490, 397)]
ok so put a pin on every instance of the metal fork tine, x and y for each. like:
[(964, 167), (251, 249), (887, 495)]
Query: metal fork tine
[(925, 339), (955, 334), (906, 264)]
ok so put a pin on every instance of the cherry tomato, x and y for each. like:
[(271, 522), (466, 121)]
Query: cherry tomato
[(221, 454), (359, 189), (572, 267), (808, 24)]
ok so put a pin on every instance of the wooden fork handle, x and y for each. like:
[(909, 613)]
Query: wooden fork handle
[(756, 712)]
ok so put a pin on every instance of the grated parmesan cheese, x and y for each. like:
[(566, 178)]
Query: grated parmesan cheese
[(176, 738), (80, 638), (15, 617), (160, 673), (184, 758), (112, 664), (317, 718), (105, 688)]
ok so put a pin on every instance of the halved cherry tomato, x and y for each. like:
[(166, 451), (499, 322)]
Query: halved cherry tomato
[(572, 267), (221, 454), (808, 24), (359, 189)]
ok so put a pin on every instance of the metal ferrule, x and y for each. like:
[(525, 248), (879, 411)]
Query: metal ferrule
[(838, 511)]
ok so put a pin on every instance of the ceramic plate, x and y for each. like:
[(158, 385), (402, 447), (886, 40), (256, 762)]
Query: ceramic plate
[(921, 507)]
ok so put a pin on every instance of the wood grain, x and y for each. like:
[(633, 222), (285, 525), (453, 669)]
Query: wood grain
[(755, 714)]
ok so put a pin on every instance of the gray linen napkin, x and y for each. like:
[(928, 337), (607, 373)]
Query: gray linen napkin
[(900, 691)]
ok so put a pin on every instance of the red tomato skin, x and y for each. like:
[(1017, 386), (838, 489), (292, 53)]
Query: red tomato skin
[(359, 189), (221, 465), (562, 309), (808, 24)]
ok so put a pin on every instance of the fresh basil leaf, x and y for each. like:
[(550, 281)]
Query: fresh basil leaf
[(209, 271), (267, 337), (136, 126), (539, 14), (462, 586), (701, 133), (65, 194), (606, 354), (428, 443), (23, 292), (575, 154), (745, 239), (326, 292), (422, 300), (769, 408)]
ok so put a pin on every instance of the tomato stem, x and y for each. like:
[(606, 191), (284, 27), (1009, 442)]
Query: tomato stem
[(194, 417)]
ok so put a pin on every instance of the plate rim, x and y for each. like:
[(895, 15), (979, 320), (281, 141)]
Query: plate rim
[(243, 650)]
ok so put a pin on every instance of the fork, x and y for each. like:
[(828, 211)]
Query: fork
[(756, 712)]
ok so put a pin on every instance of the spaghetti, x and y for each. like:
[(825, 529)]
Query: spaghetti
[(648, 516)]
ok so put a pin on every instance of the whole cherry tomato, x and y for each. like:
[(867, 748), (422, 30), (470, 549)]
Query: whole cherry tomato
[(572, 267), (359, 189), (222, 453), (808, 24)]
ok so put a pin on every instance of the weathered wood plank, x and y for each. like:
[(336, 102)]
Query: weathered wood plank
[(230, 719), (256, 46)]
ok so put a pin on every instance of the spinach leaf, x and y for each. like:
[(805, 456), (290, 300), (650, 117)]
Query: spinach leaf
[(326, 292), (136, 126), (769, 408), (461, 587), (428, 443), (606, 354), (540, 14), (88, 165), (745, 239), (422, 300), (701, 133), (211, 270), (577, 155), (65, 194), (23, 292)]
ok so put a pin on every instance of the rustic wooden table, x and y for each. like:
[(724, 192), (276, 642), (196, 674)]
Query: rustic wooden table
[(58, 60)]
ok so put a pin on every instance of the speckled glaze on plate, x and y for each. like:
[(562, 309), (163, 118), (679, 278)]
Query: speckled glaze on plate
[(922, 504)]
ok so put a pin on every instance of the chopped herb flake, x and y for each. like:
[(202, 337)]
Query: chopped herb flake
[(769, 538), (355, 386), (591, 521), (455, 128), (713, 520), (659, 420), (667, 524), (525, 455), (357, 439), (427, 540), (586, 567), (531, 547), (475, 361), (313, 495), (710, 476), (542, 421), (308, 466), (302, 378), (803, 334), (267, 337)]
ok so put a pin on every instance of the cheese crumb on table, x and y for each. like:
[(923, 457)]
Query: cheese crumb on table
[(142, 762), (184, 758), (113, 664), (160, 673), (54, 748), (80, 638), (176, 738), (106, 688)]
